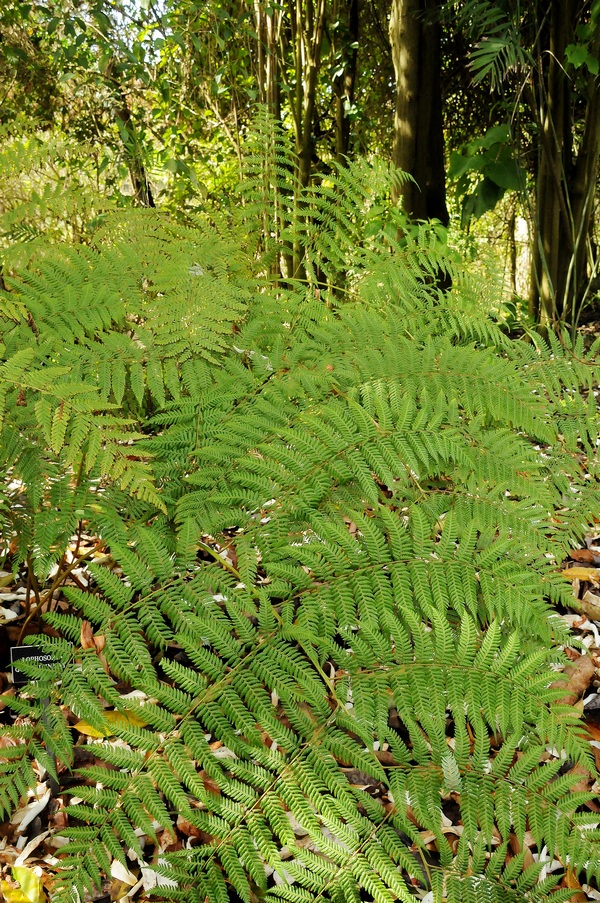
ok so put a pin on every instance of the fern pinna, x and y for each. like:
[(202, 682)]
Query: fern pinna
[(336, 631)]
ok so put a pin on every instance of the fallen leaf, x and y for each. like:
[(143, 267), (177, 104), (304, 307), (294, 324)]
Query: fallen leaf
[(515, 847), (590, 606), (152, 879), (23, 817), (593, 730), (210, 784), (585, 555), (570, 881), (120, 873), (28, 850), (186, 827), (86, 637), (29, 889), (581, 573), (575, 680), (115, 719), (585, 779)]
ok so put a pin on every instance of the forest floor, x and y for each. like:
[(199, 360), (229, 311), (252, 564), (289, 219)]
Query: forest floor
[(30, 841)]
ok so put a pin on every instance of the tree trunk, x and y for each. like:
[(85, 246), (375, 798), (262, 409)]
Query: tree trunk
[(583, 190), (142, 191), (268, 27), (415, 35), (307, 26), (308, 30), (566, 184), (553, 232), (344, 83)]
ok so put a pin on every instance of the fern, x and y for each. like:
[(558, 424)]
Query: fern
[(497, 33), (335, 604), (50, 191), (94, 337)]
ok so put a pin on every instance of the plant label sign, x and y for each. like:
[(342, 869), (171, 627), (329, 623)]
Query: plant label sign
[(29, 654)]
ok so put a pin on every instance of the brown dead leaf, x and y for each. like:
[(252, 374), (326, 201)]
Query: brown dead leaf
[(190, 830), (575, 680), (590, 606), (593, 730), (8, 740), (210, 785), (386, 757), (570, 880), (515, 846), (582, 573), (186, 827), (86, 638), (585, 782), (585, 556), (61, 820)]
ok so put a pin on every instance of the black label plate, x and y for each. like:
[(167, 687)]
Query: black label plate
[(31, 654)]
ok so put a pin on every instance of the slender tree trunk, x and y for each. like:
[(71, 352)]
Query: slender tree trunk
[(512, 248), (566, 183), (307, 18), (415, 35), (583, 190), (268, 27), (268, 20), (137, 171), (553, 219), (344, 84), (135, 163), (309, 30)]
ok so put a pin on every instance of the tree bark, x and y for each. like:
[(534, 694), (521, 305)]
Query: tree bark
[(553, 219), (344, 83), (268, 27), (137, 171), (583, 190), (566, 181), (415, 35), (308, 30)]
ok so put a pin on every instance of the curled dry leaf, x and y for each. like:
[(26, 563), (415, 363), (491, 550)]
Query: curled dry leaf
[(186, 827), (86, 638), (120, 873), (590, 606), (575, 680), (23, 817), (29, 848)]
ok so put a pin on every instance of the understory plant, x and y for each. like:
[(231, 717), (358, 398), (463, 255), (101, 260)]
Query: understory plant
[(335, 498)]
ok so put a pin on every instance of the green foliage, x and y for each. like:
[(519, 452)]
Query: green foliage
[(94, 338), (50, 190), (484, 172), (339, 562)]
